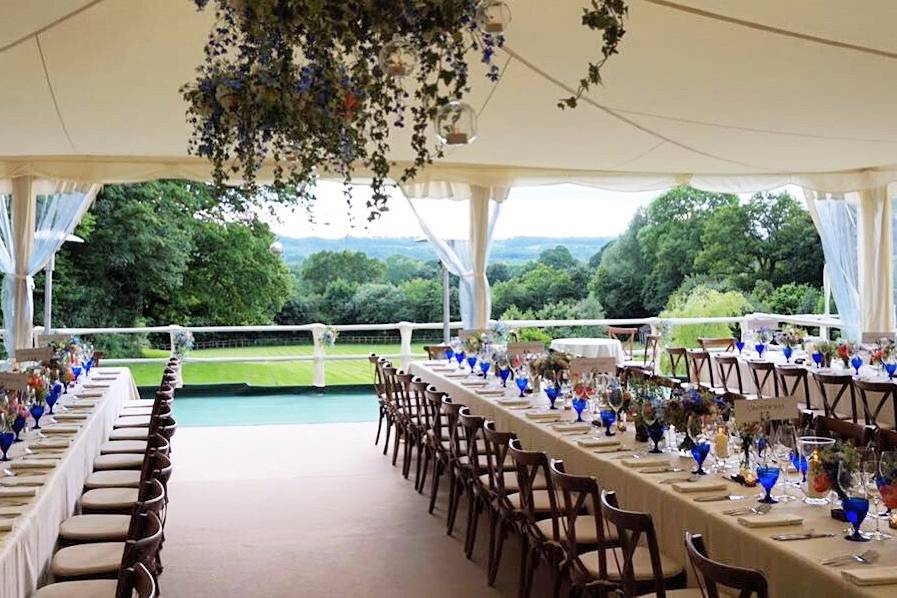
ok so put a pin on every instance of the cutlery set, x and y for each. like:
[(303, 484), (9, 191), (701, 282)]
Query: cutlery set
[(866, 558)]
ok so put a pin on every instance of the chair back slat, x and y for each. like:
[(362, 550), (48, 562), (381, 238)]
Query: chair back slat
[(762, 372), (472, 425), (793, 378), (678, 356), (729, 365), (876, 397), (841, 384), (626, 336), (633, 529), (857, 434), (531, 465), (721, 343), (748, 582)]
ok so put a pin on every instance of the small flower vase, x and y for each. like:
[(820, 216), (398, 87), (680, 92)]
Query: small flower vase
[(18, 425)]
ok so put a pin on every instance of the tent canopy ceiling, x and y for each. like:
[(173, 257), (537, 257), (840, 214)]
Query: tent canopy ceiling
[(91, 92)]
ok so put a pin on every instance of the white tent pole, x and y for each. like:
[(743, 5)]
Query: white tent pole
[(479, 239), (874, 254), (24, 214), (48, 294)]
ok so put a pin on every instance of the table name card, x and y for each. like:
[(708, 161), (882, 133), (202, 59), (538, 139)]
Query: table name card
[(39, 354), (592, 365), (772, 409), (13, 381), (46, 339), (525, 348)]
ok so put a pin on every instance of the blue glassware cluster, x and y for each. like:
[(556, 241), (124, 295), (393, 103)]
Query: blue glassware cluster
[(53, 396), (799, 462)]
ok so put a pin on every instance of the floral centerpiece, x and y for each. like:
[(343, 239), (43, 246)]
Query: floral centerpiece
[(828, 350), (329, 336), (694, 405), (748, 433), (182, 342), (552, 366), (475, 342), (37, 378), (881, 351), (763, 335), (841, 457), (500, 333), (844, 350), (791, 337)]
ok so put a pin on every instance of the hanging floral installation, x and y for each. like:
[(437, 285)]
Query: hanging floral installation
[(318, 86)]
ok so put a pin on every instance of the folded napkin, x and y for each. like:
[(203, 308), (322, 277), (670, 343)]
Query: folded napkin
[(458, 375), (7, 511), (595, 441), (514, 402), (34, 463), (17, 491), (871, 576), (6, 524), (70, 416), (83, 404), (443, 370), (613, 448), (86, 394), (646, 461), (770, 520), (50, 443), (475, 383), (61, 429), (700, 486), (107, 370), (97, 385), (543, 416), (572, 426), (23, 480)]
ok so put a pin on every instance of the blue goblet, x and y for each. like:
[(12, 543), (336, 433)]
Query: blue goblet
[(522, 382), (6, 440), (504, 373), (76, 371), (459, 356), (472, 361), (855, 510), (800, 465), (18, 424), (552, 392), (856, 362), (787, 352), (484, 367), (655, 433), (51, 399), (760, 347), (817, 358), (740, 346), (579, 406), (37, 411), (449, 353), (891, 369), (699, 453), (768, 476), (608, 417), (87, 365)]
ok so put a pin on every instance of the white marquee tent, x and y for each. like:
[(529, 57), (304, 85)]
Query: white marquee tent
[(722, 94)]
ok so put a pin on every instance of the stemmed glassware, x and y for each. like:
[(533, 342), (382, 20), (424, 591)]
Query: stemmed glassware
[(768, 475), (760, 347), (887, 479), (552, 392), (459, 357), (740, 346), (608, 417), (856, 362), (615, 399), (579, 405), (471, 361), (522, 382), (485, 364), (504, 374), (891, 368), (6, 441), (856, 500), (817, 358), (784, 447), (871, 475), (787, 351), (449, 353)]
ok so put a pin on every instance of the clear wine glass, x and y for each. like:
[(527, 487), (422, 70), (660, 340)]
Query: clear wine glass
[(784, 447), (870, 469)]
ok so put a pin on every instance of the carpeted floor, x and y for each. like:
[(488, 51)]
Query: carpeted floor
[(312, 510)]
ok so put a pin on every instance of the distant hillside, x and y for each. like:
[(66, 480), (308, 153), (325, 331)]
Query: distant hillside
[(518, 249)]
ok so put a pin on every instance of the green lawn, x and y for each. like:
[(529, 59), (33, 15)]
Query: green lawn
[(269, 373)]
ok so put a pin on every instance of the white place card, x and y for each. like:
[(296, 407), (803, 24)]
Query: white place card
[(771, 409), (525, 348), (592, 365)]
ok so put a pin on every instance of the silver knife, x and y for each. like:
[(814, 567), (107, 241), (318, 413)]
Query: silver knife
[(800, 536), (718, 497)]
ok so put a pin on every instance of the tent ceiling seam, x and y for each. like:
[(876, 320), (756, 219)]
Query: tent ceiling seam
[(43, 62), (618, 116), (774, 30), (49, 26)]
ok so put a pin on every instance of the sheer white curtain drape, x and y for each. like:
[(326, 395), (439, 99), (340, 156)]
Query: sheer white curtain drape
[(34, 223), (467, 258)]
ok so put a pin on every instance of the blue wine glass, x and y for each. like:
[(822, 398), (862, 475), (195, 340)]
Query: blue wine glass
[(37, 411), (817, 357), (51, 399), (579, 406), (655, 433), (768, 476), (18, 424), (855, 501), (459, 356), (449, 353), (522, 382), (787, 352), (760, 347), (87, 365), (699, 453), (472, 361), (891, 369), (740, 346), (552, 392), (484, 367), (608, 417), (800, 464), (76, 371), (504, 373), (6, 440), (856, 362)]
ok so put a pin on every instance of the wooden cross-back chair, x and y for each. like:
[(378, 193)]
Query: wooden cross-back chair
[(729, 368), (793, 378), (679, 356), (436, 351), (424, 422), (699, 362), (409, 410), (841, 385), (875, 398), (764, 372), (456, 451), (474, 472), (885, 440), (747, 582), (503, 517), (859, 435), (626, 336), (717, 344), (437, 444), (642, 567)]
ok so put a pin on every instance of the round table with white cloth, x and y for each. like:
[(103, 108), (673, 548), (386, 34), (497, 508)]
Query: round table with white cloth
[(591, 347)]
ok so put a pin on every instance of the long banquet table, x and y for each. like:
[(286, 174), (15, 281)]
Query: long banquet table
[(793, 568), (26, 550)]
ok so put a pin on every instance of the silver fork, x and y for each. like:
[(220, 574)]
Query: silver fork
[(755, 510)]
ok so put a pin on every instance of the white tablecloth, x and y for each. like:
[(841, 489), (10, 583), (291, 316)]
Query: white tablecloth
[(792, 568), (591, 347), (26, 551)]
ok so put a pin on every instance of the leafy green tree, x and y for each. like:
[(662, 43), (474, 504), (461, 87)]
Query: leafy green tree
[(423, 300), (337, 304), (620, 278), (498, 272), (400, 268), (377, 303), (558, 257), (320, 269), (793, 298), (702, 301)]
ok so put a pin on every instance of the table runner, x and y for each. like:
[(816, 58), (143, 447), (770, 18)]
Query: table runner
[(792, 568), (26, 551)]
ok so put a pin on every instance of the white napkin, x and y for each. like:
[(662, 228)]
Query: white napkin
[(700, 486), (514, 402), (475, 383), (543, 416), (646, 461), (17, 491), (34, 463), (458, 375), (70, 416), (871, 576), (594, 441), (23, 480), (86, 394), (97, 385), (50, 443), (61, 429), (6, 524), (570, 427), (12, 511), (770, 520)]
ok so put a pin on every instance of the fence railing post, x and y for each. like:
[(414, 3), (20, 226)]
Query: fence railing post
[(319, 375), (405, 332)]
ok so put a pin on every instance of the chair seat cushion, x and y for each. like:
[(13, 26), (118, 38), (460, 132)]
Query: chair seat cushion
[(541, 501), (129, 434), (113, 478), (641, 564), (133, 421), (118, 461), (87, 559), (511, 481), (109, 498), (89, 588), (95, 528), (123, 446), (585, 530)]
